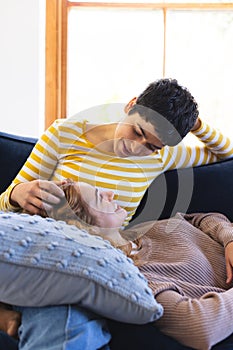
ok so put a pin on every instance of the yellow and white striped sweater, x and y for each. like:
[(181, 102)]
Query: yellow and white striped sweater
[(64, 152)]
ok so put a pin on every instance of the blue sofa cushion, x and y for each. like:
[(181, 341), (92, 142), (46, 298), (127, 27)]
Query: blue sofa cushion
[(47, 262)]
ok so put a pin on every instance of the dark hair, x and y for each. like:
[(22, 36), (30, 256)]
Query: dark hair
[(169, 107)]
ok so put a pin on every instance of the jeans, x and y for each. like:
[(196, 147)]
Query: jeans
[(62, 328)]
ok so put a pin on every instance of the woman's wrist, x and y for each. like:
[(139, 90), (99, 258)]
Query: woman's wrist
[(197, 125), (12, 200)]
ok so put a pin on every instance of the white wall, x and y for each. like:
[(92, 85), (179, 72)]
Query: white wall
[(22, 38)]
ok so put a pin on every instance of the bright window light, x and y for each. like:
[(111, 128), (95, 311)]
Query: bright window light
[(114, 53)]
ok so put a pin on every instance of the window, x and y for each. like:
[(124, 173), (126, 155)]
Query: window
[(108, 53)]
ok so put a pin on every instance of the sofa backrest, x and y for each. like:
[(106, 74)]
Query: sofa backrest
[(14, 151), (205, 188)]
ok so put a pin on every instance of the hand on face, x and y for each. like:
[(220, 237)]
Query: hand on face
[(37, 196)]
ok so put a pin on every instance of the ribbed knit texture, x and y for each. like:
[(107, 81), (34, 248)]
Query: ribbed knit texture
[(183, 260), (64, 152)]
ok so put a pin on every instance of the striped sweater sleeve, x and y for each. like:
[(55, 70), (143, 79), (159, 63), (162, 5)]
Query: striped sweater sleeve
[(39, 165), (215, 146), (197, 322)]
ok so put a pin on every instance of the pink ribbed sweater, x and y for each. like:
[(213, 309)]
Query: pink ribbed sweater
[(183, 260)]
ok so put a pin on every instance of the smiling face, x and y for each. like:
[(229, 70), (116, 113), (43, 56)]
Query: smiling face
[(105, 211), (136, 137)]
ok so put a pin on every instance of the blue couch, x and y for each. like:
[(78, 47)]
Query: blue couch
[(205, 188)]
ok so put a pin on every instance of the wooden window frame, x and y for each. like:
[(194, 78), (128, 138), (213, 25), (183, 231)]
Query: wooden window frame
[(55, 60), (56, 45)]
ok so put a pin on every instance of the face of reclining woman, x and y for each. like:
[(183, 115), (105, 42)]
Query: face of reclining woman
[(101, 206)]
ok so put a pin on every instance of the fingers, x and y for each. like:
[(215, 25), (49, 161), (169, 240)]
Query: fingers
[(229, 272), (37, 196), (229, 261), (37, 207), (50, 192), (62, 182)]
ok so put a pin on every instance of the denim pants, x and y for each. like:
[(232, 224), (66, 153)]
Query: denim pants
[(62, 328)]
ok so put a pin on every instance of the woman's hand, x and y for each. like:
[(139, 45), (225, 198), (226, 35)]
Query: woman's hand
[(37, 196), (229, 261)]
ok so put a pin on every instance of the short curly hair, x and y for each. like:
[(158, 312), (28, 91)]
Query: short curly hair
[(169, 107)]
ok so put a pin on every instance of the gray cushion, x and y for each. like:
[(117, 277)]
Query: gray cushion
[(47, 262)]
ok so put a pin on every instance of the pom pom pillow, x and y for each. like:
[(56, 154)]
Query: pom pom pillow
[(47, 262)]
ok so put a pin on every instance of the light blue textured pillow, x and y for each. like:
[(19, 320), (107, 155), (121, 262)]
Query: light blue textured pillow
[(47, 262)]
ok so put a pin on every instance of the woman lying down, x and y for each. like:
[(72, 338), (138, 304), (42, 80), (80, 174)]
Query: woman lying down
[(187, 260)]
